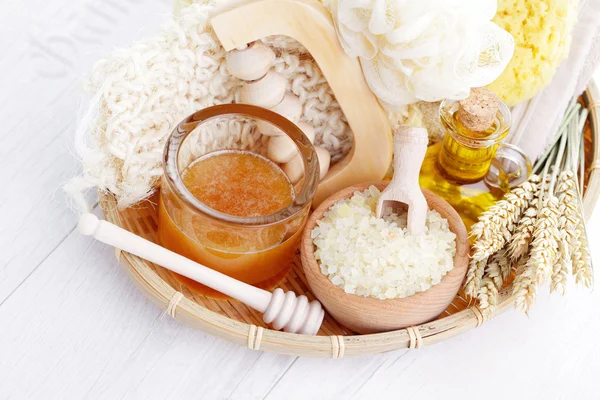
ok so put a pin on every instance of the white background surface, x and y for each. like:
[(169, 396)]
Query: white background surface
[(72, 326)]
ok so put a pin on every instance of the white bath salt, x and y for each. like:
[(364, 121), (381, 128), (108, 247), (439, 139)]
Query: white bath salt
[(378, 257)]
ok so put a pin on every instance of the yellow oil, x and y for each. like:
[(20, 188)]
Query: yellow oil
[(464, 159), (468, 199), (455, 168)]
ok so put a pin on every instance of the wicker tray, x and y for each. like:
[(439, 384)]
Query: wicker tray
[(235, 322)]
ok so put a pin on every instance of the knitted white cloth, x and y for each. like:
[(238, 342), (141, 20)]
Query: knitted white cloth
[(142, 92)]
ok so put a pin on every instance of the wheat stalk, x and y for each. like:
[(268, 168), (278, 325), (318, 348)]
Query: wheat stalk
[(496, 271), (540, 229), (495, 228), (524, 286), (572, 224), (542, 256), (561, 268), (567, 193), (567, 223), (519, 243), (574, 250), (493, 270), (501, 217), (488, 297), (582, 266), (504, 264), (474, 276), (545, 239)]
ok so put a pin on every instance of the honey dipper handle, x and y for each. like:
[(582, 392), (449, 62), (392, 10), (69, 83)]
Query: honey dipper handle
[(285, 311), (410, 146), (118, 237)]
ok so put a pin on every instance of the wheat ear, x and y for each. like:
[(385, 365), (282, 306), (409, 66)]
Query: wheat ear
[(545, 240), (488, 297), (494, 229), (582, 265), (497, 270), (576, 252), (567, 224), (541, 257), (474, 276), (498, 221), (524, 286), (561, 268), (519, 243)]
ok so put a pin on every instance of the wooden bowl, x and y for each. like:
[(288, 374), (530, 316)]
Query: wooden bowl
[(369, 315)]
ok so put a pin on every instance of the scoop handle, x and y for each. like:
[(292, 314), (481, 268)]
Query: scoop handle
[(410, 146), (285, 310)]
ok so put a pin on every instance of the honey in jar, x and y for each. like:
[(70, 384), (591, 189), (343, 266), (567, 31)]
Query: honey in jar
[(227, 206), (241, 184)]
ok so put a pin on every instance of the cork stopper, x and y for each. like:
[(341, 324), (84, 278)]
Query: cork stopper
[(477, 112)]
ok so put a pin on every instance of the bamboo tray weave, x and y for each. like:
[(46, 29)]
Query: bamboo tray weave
[(235, 322)]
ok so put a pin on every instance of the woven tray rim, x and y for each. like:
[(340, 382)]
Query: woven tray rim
[(337, 346)]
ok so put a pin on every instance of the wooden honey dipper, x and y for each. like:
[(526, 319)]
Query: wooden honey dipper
[(410, 145), (285, 311)]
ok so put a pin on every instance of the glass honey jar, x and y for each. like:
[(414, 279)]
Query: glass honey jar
[(225, 204), (473, 169)]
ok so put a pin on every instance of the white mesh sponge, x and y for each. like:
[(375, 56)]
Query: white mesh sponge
[(425, 50)]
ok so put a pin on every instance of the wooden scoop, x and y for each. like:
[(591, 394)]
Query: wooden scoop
[(410, 145), (237, 23)]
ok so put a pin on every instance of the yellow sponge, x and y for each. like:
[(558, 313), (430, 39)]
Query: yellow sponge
[(542, 33)]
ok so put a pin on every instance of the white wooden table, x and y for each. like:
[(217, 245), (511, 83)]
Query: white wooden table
[(72, 326)]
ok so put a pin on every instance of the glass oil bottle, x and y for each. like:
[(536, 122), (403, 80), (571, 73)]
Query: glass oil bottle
[(472, 169)]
